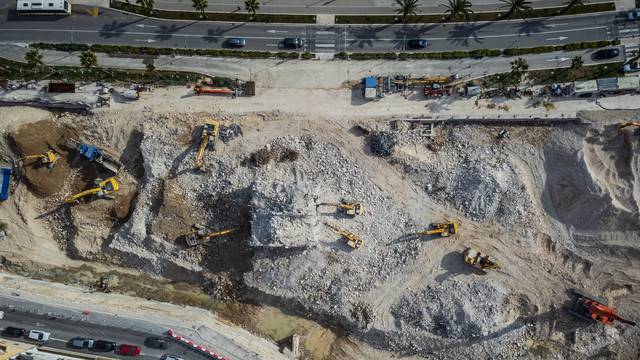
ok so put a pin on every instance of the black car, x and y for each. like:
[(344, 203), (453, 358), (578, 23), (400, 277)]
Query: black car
[(104, 345), (418, 43), (236, 42), (14, 332), (604, 54), (293, 43), (156, 343)]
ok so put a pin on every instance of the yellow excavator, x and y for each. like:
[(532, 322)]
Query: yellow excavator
[(210, 130), (103, 190), (479, 260), (443, 229), (351, 239), (349, 208), (48, 158), (628, 124), (200, 233)]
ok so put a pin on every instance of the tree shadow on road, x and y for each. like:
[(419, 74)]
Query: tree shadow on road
[(363, 36), (408, 32), (166, 31), (115, 28), (529, 27), (460, 34), (214, 34)]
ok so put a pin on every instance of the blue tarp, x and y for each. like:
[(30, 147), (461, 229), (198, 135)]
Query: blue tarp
[(5, 181), (370, 82)]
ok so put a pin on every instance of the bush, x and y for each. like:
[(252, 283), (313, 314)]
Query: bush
[(307, 56)]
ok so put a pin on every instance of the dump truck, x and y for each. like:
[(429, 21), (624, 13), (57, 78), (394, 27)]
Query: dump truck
[(479, 260), (595, 309), (96, 155)]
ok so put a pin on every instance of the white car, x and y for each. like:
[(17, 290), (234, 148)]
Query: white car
[(38, 335), (171, 357), (633, 14)]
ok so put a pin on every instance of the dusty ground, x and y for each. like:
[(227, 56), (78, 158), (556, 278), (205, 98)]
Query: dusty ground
[(556, 205)]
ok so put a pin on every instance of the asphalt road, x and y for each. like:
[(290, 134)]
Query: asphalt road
[(113, 27), (62, 330), (344, 7)]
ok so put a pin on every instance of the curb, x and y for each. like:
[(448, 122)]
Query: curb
[(193, 345)]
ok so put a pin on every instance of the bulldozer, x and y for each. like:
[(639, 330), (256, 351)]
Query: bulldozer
[(209, 135), (103, 190), (442, 229), (628, 124), (353, 240), (480, 260), (596, 309), (49, 158), (349, 208), (200, 233)]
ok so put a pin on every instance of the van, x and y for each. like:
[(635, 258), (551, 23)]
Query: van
[(38, 335)]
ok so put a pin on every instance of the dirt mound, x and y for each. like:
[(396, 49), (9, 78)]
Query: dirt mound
[(39, 137)]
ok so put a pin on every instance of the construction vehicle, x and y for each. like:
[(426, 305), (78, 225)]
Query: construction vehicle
[(209, 136), (480, 260), (595, 308), (350, 208), (200, 233), (103, 190), (443, 229), (203, 89), (96, 155), (434, 90), (437, 79), (49, 158), (353, 240), (628, 124), (102, 284), (5, 183)]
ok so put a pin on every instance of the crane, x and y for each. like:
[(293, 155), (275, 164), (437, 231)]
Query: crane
[(479, 260), (353, 240), (349, 208), (210, 130), (48, 158), (103, 190), (628, 124), (443, 229), (596, 309), (200, 233)]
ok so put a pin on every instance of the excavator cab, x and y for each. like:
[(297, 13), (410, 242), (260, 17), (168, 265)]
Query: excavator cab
[(443, 229), (103, 190), (209, 135), (596, 309)]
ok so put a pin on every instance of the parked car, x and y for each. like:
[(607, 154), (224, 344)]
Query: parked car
[(130, 350), (156, 343), (632, 66), (293, 42), (604, 54), (417, 43), (633, 15), (170, 357), (104, 345), (82, 343), (236, 42), (38, 335), (11, 331)]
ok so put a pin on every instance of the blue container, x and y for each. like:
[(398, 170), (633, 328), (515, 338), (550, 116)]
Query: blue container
[(5, 181)]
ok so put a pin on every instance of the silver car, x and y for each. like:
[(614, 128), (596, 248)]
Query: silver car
[(81, 343)]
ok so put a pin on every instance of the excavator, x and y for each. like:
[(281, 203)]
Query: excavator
[(200, 233), (480, 260), (628, 124), (443, 229), (353, 240), (103, 190), (48, 158), (349, 208), (210, 130), (596, 309)]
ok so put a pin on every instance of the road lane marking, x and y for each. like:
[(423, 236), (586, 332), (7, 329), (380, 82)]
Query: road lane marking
[(325, 45)]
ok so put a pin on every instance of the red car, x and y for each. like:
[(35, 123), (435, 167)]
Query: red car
[(130, 350)]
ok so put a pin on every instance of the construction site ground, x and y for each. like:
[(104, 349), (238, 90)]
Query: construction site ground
[(555, 203)]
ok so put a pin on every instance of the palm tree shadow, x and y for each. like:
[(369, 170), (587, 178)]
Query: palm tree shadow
[(408, 32), (115, 28), (214, 35), (165, 32), (461, 33), (527, 28), (365, 35)]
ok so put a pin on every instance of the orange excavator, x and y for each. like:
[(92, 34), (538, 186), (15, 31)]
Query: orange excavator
[(597, 309)]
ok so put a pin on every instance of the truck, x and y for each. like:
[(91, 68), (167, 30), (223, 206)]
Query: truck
[(97, 155), (5, 181)]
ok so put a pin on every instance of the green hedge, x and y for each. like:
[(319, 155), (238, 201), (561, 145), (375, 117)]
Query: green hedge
[(480, 16), (566, 47), (145, 50), (192, 15)]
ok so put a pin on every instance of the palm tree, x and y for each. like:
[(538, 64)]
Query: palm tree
[(200, 6), (574, 3), (147, 4), (407, 8), (88, 59), (458, 9), (577, 62), (34, 59), (521, 8), (519, 65), (252, 6)]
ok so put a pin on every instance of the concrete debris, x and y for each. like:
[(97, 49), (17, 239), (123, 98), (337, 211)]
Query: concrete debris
[(228, 133), (382, 143)]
